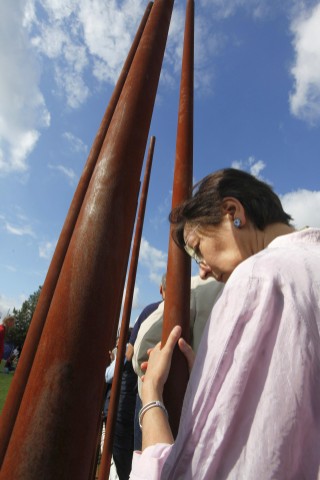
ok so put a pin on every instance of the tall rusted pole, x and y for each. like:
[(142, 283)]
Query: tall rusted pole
[(116, 383), (99, 425), (56, 423), (177, 303), (21, 375)]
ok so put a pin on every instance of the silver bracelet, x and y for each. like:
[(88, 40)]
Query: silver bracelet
[(155, 403)]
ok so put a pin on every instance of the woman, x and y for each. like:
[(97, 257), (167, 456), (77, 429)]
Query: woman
[(252, 406)]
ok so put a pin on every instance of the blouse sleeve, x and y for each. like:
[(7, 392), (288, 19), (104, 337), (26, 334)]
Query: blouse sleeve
[(148, 464)]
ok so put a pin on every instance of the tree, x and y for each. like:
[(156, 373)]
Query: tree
[(18, 333)]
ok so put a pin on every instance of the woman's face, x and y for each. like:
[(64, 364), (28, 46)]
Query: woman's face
[(220, 248)]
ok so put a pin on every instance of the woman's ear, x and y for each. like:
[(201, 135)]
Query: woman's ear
[(233, 207)]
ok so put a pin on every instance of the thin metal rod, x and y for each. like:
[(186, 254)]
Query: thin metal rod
[(116, 383), (177, 303), (55, 429), (96, 453), (21, 375)]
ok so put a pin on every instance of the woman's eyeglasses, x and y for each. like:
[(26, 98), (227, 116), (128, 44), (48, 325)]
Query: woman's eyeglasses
[(190, 250)]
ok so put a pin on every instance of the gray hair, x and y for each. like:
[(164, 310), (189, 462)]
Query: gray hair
[(164, 281)]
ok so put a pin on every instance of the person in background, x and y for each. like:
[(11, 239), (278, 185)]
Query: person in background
[(11, 361), (203, 295), (252, 406), (113, 475), (108, 378), (123, 440), (7, 323), (146, 312)]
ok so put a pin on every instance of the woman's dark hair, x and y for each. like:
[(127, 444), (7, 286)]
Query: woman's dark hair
[(261, 204)]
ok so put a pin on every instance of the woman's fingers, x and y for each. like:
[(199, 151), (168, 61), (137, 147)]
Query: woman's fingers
[(174, 336), (158, 364), (188, 352), (144, 365)]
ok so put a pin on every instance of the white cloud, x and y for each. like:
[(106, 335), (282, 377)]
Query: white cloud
[(22, 107), (75, 143), (303, 206), (50, 41), (305, 100), (20, 230), (58, 37), (174, 48), (79, 39), (207, 44), (135, 299), (69, 173), (73, 87), (46, 249), (73, 35), (156, 277), (109, 46), (7, 304), (11, 268), (155, 260), (82, 38), (226, 8), (254, 166)]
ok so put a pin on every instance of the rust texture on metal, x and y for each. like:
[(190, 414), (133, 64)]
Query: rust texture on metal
[(177, 302), (111, 334), (116, 383), (20, 378), (54, 433)]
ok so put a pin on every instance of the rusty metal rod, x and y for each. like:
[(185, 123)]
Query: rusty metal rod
[(99, 423), (56, 423), (96, 453), (94, 460), (116, 383), (177, 303), (19, 381)]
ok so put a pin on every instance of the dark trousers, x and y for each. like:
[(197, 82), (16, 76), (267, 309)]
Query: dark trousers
[(137, 429), (123, 450)]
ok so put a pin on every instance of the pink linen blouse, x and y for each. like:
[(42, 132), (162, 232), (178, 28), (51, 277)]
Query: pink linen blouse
[(252, 406)]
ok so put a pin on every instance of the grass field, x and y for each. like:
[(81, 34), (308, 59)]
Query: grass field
[(5, 381)]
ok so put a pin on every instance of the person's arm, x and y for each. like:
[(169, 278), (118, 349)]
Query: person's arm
[(129, 352), (155, 423), (110, 371)]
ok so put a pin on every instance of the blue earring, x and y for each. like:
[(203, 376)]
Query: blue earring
[(237, 222)]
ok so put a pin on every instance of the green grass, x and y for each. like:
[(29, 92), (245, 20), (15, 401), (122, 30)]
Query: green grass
[(5, 381)]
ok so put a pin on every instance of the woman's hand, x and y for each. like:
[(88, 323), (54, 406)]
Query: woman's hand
[(156, 428), (158, 367)]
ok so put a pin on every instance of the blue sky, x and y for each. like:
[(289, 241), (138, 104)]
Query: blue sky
[(257, 107)]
